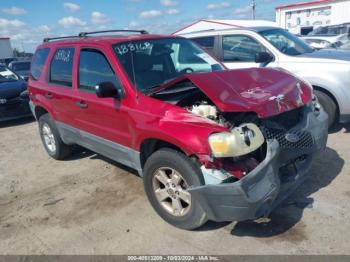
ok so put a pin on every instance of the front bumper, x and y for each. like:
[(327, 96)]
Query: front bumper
[(14, 109), (260, 191)]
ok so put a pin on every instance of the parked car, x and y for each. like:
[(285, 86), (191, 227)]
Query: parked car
[(345, 46), (14, 100), (331, 30), (334, 36), (7, 61), (209, 143), (21, 68), (326, 70), (322, 42)]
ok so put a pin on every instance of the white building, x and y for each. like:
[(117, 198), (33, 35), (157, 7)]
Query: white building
[(5, 48), (213, 24), (302, 18)]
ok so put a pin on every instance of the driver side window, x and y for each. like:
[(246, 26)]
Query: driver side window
[(240, 48), (94, 69)]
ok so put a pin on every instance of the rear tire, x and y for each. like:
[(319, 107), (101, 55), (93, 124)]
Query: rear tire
[(328, 105), (176, 167), (51, 139)]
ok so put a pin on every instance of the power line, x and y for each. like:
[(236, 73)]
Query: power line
[(253, 6)]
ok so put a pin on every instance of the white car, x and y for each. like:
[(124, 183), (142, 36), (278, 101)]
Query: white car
[(326, 41), (328, 71)]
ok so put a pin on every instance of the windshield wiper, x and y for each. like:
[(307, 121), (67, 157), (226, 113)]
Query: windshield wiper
[(154, 89)]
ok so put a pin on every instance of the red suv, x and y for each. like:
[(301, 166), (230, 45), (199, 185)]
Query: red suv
[(210, 143)]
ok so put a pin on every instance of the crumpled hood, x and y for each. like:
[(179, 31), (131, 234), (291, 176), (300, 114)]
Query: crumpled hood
[(9, 90), (343, 55), (265, 91)]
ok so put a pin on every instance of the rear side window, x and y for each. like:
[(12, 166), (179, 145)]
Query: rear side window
[(38, 62), (61, 67), (205, 42), (94, 69)]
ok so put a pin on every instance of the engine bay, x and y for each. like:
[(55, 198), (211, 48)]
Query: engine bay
[(250, 146), (191, 98)]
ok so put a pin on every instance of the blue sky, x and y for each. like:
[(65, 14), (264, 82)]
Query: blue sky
[(27, 22)]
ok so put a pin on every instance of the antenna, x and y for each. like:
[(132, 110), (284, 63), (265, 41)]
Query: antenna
[(253, 5)]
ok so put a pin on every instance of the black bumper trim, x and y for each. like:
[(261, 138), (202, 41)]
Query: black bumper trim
[(17, 110)]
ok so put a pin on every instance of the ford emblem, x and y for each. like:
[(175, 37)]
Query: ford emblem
[(291, 137), (2, 101)]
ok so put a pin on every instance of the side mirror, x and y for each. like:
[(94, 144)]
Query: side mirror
[(108, 89), (263, 58)]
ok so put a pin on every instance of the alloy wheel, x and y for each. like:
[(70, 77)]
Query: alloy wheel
[(170, 189)]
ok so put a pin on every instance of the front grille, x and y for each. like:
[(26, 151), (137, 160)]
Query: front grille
[(287, 120), (305, 139)]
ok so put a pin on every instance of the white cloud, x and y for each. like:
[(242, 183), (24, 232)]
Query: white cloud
[(168, 3), (71, 7), (98, 18), (70, 21), (150, 14), (133, 24), (218, 5), (242, 11), (14, 11), (172, 12), (8, 24), (44, 28), (21, 34)]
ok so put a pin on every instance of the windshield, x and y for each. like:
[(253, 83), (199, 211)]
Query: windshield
[(150, 63), (21, 66), (286, 42), (7, 75)]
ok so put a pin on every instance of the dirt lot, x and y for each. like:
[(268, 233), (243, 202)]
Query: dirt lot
[(90, 205)]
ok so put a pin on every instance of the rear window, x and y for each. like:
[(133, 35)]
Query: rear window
[(21, 66), (205, 42), (61, 67), (38, 62)]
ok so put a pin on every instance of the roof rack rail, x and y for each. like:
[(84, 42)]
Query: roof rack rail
[(83, 34), (48, 39)]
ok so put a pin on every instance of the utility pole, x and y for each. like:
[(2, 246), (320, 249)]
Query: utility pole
[(253, 5)]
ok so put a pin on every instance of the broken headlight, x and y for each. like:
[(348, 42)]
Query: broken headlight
[(315, 105), (240, 141)]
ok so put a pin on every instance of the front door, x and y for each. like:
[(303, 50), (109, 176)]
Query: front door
[(238, 51), (103, 122)]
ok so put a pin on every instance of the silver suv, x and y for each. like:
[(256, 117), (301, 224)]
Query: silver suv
[(328, 71)]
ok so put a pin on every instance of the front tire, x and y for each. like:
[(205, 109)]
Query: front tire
[(167, 176), (51, 139), (328, 105)]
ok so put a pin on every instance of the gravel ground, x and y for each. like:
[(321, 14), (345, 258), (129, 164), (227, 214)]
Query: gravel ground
[(91, 205)]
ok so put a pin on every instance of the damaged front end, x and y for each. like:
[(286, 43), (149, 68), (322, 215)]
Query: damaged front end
[(272, 133), (289, 150)]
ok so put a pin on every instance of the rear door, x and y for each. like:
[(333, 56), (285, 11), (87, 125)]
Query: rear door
[(59, 88)]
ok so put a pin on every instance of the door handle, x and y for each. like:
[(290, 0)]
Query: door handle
[(48, 95), (82, 104)]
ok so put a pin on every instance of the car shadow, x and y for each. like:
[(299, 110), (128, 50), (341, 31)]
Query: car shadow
[(17, 122), (336, 128), (326, 167), (79, 153), (116, 164)]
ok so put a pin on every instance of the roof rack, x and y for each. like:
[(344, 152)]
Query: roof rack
[(83, 34), (48, 39)]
